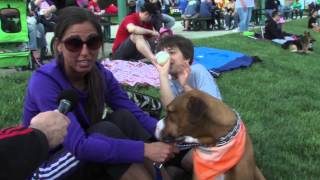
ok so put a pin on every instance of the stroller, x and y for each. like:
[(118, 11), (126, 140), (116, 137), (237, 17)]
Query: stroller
[(14, 50)]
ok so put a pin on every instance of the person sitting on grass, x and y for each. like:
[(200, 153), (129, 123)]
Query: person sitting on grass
[(134, 38), (119, 145), (185, 76), (312, 23), (274, 32)]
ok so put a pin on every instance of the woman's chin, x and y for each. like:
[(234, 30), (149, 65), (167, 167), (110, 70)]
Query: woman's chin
[(84, 68)]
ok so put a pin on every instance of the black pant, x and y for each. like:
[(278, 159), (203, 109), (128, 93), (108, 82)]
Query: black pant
[(120, 124), (127, 50)]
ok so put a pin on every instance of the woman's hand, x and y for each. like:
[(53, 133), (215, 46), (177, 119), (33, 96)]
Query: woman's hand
[(159, 152)]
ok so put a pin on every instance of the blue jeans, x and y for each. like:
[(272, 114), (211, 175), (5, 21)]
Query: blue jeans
[(245, 17), (168, 21), (36, 32)]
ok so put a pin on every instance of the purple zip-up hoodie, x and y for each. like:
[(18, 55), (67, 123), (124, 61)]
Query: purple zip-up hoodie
[(43, 89)]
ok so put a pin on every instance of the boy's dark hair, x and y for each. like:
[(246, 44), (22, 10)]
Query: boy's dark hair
[(185, 45), (149, 7)]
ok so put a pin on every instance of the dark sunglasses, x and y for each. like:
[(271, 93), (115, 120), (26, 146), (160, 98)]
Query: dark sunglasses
[(75, 44)]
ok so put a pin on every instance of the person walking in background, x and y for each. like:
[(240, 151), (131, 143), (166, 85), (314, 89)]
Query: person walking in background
[(244, 9), (96, 146), (23, 149)]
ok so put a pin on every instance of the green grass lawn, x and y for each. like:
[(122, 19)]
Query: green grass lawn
[(278, 99)]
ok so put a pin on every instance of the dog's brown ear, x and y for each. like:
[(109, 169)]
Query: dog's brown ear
[(196, 108)]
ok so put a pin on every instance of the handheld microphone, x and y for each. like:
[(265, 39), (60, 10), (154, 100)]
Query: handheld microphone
[(67, 100)]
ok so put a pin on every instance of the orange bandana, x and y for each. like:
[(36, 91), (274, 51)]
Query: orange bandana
[(214, 161)]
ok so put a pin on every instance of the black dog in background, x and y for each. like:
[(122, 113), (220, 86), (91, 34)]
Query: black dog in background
[(302, 45)]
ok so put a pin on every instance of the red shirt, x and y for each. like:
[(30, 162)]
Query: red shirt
[(93, 6), (123, 34)]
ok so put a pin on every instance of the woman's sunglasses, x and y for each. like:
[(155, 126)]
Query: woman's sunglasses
[(75, 44)]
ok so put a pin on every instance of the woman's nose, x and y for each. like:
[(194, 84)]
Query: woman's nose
[(84, 49)]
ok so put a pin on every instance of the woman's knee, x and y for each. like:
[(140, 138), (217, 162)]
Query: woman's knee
[(137, 172), (128, 124), (123, 118), (136, 37), (121, 114), (106, 128)]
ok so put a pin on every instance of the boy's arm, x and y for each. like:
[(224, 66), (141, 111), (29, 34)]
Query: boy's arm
[(134, 29)]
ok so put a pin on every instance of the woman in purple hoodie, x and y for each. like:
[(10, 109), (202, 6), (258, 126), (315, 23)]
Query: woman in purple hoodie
[(116, 147)]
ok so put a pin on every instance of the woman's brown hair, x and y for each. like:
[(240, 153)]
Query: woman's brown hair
[(95, 83)]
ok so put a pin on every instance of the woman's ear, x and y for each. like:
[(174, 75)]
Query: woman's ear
[(57, 46)]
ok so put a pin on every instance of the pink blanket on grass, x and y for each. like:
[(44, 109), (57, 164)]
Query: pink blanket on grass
[(133, 73)]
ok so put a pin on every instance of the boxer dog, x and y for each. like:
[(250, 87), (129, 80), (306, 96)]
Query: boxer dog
[(224, 147)]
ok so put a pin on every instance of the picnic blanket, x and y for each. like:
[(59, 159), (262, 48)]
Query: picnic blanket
[(133, 73), (220, 60), (139, 73)]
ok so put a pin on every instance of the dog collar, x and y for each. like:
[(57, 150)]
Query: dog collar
[(221, 141), (227, 138)]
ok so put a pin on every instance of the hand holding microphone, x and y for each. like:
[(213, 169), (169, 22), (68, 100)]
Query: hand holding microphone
[(67, 100), (54, 124)]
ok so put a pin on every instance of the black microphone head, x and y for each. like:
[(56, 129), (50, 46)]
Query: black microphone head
[(70, 96)]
